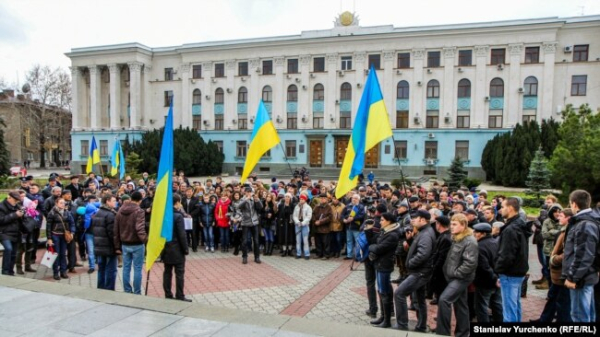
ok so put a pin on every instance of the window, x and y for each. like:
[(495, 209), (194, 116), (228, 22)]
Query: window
[(462, 150), (219, 122), (319, 64), (197, 97), (318, 120), (267, 94), (433, 89), (292, 93), (219, 70), (197, 71), (319, 92), (292, 121), (346, 62), (241, 148), (578, 85), (401, 119), (243, 95), (168, 74), (375, 61), (465, 57), (498, 56), (497, 88), (168, 97), (528, 116), (104, 147), (292, 66), (402, 91), (219, 144), (580, 53), (290, 148), (243, 69), (431, 147), (196, 122), (346, 91), (219, 96), (463, 119), (433, 119), (531, 86), (85, 148), (242, 122), (345, 120), (400, 149), (495, 120), (464, 88), (532, 54), (267, 67), (27, 137), (403, 60), (433, 59)]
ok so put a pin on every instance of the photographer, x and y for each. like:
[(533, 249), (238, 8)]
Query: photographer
[(10, 221), (403, 219)]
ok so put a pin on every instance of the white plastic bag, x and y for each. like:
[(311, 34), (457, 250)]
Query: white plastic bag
[(49, 257), (188, 222)]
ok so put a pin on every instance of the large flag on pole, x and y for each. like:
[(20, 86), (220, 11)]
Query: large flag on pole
[(117, 160), (372, 125), (264, 137), (93, 156), (161, 218)]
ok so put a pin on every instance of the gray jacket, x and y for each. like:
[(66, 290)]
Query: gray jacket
[(250, 212), (582, 245), (418, 260), (461, 262)]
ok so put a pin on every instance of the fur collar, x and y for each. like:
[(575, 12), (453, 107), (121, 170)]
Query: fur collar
[(459, 237)]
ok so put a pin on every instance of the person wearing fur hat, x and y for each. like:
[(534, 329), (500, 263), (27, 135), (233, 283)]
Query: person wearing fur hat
[(459, 269)]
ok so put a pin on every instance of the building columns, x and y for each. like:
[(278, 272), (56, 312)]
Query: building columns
[(135, 71), (75, 110), (115, 96), (95, 98)]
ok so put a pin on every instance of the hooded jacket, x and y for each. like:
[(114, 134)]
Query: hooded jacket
[(130, 226), (513, 249), (582, 248), (461, 262), (551, 229)]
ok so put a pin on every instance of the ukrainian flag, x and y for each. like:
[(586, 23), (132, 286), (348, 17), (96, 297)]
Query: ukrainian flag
[(161, 218), (117, 160), (264, 137), (93, 156), (372, 125)]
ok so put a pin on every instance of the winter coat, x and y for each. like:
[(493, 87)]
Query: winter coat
[(235, 214), (268, 215), (57, 223), (385, 248), (418, 260), (485, 276), (358, 214), (251, 210), (103, 227), (461, 263), (556, 258), (323, 214), (10, 223), (442, 246), (130, 226), (336, 217), (551, 229), (206, 214), (191, 206), (582, 248), (305, 217), (284, 214), (176, 249), (513, 248), (90, 209), (221, 213)]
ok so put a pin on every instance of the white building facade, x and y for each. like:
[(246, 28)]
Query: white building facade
[(447, 89)]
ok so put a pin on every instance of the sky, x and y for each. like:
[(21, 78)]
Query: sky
[(41, 31)]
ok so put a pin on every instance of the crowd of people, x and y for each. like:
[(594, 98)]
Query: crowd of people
[(460, 249)]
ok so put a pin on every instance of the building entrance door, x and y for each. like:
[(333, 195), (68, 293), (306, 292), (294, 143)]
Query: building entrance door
[(341, 145), (316, 153)]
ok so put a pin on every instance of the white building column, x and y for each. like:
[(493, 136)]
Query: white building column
[(448, 103), (329, 105), (388, 85), (512, 99), (146, 104), (135, 71), (75, 109), (185, 117), (208, 103), (95, 99), (279, 107), (417, 102), (115, 95), (479, 86), (545, 110)]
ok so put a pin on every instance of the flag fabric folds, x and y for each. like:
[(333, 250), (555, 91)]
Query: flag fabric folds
[(372, 125), (161, 218), (93, 156), (117, 160), (264, 137)]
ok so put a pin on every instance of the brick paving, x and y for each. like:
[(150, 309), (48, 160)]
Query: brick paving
[(320, 289)]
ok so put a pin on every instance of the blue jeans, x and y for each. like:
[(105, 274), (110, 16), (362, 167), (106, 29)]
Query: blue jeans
[(224, 234), (133, 254), (511, 297), (384, 285), (268, 232), (351, 237), (107, 272), (9, 257), (583, 308), (302, 240), (89, 243), (60, 247), (209, 238)]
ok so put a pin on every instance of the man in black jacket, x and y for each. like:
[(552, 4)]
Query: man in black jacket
[(513, 258), (442, 246), (190, 205), (418, 265), (10, 219), (487, 292), (174, 253), (371, 229), (103, 223)]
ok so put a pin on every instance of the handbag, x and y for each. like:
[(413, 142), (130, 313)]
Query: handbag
[(49, 257), (68, 234), (28, 224)]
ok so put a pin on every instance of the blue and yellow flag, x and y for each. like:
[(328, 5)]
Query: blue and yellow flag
[(117, 160), (264, 137), (93, 156), (161, 218), (372, 125)]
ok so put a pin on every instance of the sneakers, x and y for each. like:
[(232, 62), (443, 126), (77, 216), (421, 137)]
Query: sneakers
[(212, 249), (206, 249)]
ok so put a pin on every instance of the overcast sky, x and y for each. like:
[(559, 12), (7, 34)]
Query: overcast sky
[(41, 31)]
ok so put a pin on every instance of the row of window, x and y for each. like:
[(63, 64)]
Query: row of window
[(102, 147), (465, 58)]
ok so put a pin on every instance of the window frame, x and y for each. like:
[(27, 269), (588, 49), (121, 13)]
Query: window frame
[(292, 66), (465, 57), (292, 93), (496, 54), (197, 97), (290, 148), (462, 148), (197, 122), (580, 87), (319, 92), (169, 74), (319, 64), (346, 62), (431, 147), (375, 60), (400, 150), (243, 68), (578, 55), (241, 148), (267, 95), (85, 147), (403, 91), (168, 97), (346, 91), (433, 90), (267, 67), (292, 121), (464, 88), (219, 70), (528, 87), (197, 71), (243, 95), (495, 87), (532, 55), (434, 59), (219, 96), (402, 119), (402, 58)]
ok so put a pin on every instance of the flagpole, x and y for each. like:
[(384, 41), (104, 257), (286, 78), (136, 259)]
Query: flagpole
[(286, 159), (147, 280), (400, 166)]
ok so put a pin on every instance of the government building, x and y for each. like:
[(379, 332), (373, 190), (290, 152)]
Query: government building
[(448, 89)]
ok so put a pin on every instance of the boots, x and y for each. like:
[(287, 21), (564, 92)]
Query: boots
[(387, 303), (540, 281), (380, 319), (283, 251), (543, 286)]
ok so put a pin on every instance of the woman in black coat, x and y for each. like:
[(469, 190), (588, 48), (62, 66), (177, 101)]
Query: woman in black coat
[(173, 255), (58, 221), (285, 225)]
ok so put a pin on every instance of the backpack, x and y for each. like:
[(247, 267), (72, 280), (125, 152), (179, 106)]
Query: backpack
[(361, 249)]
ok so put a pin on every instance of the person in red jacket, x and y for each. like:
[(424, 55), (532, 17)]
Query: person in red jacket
[(222, 220)]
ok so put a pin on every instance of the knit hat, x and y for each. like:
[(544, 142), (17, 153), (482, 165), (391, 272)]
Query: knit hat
[(303, 197)]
